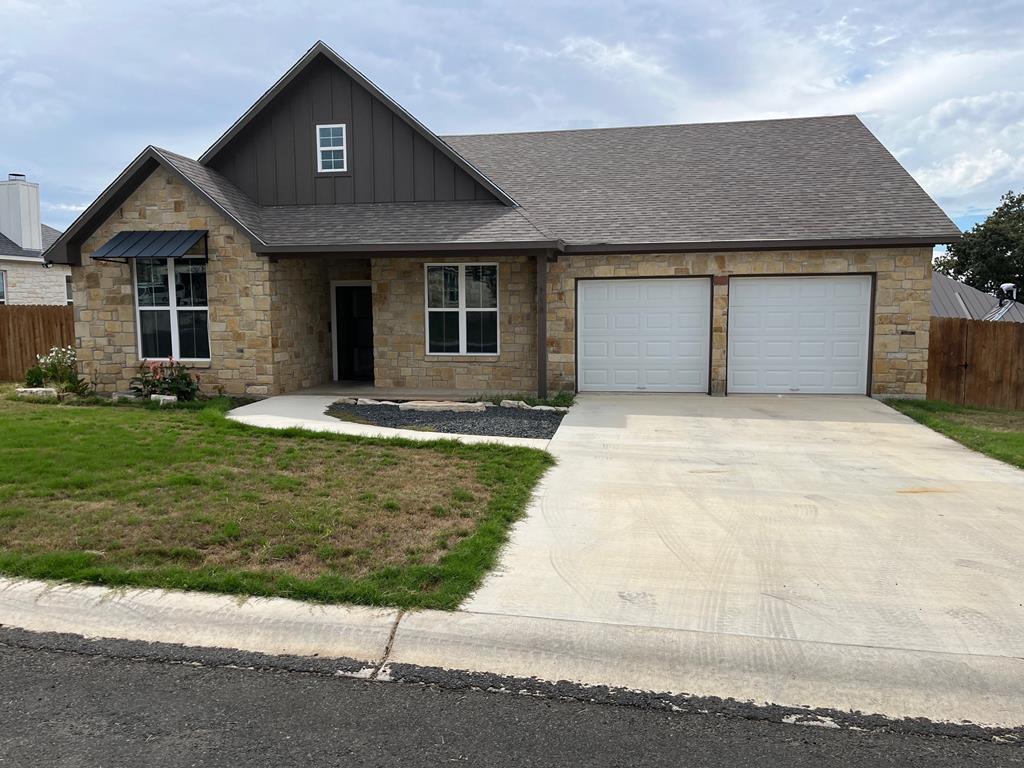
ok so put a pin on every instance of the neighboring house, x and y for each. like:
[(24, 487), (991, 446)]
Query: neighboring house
[(951, 298), (24, 277), (328, 234)]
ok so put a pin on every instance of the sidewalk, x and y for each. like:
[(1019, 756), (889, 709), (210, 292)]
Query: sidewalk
[(986, 690)]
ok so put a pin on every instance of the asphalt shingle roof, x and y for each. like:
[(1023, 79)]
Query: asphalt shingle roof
[(225, 194), (803, 181), (820, 178), (399, 223), (365, 223), (8, 248)]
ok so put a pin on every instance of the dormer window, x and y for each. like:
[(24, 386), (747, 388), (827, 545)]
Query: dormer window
[(331, 148)]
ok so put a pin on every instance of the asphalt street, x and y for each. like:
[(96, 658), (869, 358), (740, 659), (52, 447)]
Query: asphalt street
[(82, 706)]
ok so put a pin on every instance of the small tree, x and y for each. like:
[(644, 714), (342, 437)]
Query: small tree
[(992, 253)]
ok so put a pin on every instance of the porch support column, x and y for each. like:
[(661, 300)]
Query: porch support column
[(542, 324)]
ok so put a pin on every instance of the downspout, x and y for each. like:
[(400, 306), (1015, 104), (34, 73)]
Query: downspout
[(542, 324)]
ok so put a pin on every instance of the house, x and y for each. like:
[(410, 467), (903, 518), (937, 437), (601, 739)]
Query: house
[(25, 278), (951, 298), (328, 234)]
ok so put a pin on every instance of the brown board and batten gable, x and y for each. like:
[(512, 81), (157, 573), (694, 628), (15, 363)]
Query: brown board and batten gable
[(270, 154)]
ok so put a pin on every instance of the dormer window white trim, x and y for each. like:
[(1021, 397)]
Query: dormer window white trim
[(332, 148)]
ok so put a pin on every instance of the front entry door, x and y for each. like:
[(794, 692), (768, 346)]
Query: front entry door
[(354, 336)]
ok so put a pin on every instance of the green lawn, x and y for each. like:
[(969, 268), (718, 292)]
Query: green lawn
[(996, 433), (186, 499)]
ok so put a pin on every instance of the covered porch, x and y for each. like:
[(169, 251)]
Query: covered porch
[(361, 325)]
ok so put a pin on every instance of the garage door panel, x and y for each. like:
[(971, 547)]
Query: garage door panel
[(842, 379), (823, 348), (848, 320), (627, 349), (593, 321), (625, 292), (654, 350), (626, 321), (658, 320), (625, 377), (777, 349), (654, 335), (847, 349), (809, 349)]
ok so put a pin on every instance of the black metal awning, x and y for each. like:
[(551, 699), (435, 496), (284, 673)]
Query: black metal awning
[(163, 244)]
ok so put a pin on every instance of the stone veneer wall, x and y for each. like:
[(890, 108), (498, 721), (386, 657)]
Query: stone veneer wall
[(29, 283), (269, 317), (301, 315), (902, 303), (400, 358), (238, 283)]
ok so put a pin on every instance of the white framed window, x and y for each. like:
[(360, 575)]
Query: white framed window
[(3, 287), (331, 148), (69, 289), (461, 309), (173, 316)]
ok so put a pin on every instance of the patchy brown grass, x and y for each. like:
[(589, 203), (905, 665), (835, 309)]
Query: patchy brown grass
[(138, 490)]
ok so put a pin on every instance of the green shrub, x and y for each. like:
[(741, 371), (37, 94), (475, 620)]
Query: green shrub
[(34, 377), (165, 377), (59, 369)]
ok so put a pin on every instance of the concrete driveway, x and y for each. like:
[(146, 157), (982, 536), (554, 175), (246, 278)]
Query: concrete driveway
[(826, 519)]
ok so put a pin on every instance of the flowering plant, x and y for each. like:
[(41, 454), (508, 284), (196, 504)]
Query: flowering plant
[(59, 368), (165, 377)]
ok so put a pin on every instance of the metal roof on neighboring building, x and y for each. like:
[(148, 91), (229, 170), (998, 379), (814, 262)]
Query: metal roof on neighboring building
[(951, 298)]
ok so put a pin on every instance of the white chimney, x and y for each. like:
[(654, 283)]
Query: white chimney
[(19, 212)]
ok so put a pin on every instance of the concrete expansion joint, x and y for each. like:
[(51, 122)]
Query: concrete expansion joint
[(387, 648)]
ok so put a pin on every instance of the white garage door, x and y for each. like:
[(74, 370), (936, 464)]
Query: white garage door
[(643, 335), (799, 334)]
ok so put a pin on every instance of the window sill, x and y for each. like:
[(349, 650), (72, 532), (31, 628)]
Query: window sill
[(461, 356), (190, 363), (331, 174)]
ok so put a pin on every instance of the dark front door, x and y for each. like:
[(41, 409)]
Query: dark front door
[(354, 322)]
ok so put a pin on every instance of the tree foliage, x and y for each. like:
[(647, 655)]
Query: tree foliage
[(992, 253)]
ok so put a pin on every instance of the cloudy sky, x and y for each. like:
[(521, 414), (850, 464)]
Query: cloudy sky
[(84, 86)]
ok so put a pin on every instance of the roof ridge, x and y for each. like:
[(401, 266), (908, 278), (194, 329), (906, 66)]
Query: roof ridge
[(608, 128)]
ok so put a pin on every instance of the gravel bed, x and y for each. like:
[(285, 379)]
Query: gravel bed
[(496, 421)]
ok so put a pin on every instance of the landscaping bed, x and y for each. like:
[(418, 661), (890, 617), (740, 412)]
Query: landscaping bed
[(493, 420), (995, 432), (184, 498)]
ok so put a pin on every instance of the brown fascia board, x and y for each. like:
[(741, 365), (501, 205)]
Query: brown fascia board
[(758, 245), (66, 248), (321, 48), (400, 248), (560, 246)]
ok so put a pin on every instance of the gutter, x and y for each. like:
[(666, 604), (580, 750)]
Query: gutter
[(757, 245)]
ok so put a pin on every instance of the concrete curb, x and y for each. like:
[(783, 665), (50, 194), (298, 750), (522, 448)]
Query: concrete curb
[(262, 625), (387, 644), (893, 683)]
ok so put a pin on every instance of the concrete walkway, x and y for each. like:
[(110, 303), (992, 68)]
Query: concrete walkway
[(308, 411), (811, 519)]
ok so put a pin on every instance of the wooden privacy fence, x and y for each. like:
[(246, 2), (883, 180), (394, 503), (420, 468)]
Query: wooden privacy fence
[(974, 362), (30, 330)]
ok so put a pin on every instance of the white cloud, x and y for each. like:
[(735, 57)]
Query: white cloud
[(83, 87)]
